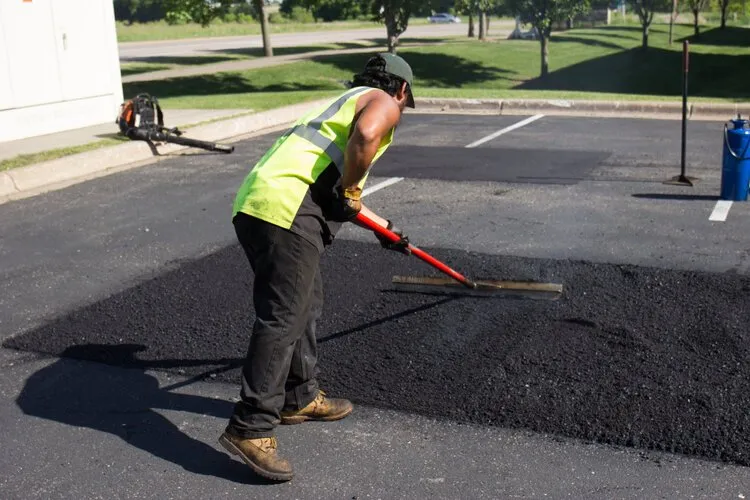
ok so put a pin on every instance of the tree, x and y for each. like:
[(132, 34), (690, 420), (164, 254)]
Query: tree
[(326, 10), (542, 14), (697, 6), (140, 11), (203, 12), (198, 11), (724, 7), (646, 10), (481, 9), (467, 7), (484, 7), (395, 15), (264, 30)]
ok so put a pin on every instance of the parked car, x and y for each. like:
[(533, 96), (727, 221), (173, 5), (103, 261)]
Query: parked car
[(444, 18)]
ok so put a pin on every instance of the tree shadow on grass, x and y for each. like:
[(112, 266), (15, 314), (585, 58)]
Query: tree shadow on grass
[(586, 41), (731, 36), (217, 84), (256, 52), (376, 44), (607, 32), (638, 29), (610, 34), (402, 41), (181, 60), (137, 68), (430, 69), (653, 72)]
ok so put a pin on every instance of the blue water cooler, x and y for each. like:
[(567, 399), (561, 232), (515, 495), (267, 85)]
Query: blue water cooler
[(735, 169)]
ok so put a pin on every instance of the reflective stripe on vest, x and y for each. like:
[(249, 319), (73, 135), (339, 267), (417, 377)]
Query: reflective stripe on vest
[(311, 130), (327, 145)]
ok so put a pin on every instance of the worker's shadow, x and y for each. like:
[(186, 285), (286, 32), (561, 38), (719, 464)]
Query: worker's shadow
[(126, 403)]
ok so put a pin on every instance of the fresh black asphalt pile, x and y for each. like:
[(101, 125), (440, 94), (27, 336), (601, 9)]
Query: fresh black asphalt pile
[(649, 358)]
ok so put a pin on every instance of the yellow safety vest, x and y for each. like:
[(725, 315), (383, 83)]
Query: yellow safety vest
[(277, 185)]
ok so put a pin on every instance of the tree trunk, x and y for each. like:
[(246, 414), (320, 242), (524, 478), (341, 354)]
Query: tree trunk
[(471, 25), (671, 30), (481, 25), (672, 16), (487, 25), (544, 41), (724, 6), (644, 41), (392, 34), (392, 42), (696, 12), (267, 49)]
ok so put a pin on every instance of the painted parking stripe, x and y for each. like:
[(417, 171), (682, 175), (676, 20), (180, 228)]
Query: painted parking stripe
[(721, 211), (381, 185), (497, 134)]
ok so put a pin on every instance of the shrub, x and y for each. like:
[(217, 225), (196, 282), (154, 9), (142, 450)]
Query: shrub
[(301, 15), (245, 18), (277, 18), (178, 17)]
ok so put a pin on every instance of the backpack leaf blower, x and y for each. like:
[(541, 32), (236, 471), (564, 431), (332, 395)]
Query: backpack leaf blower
[(141, 118)]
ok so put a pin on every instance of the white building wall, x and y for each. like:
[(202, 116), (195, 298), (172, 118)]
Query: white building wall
[(59, 66)]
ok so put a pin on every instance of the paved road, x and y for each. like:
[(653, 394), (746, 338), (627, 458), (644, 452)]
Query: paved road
[(142, 50), (146, 259)]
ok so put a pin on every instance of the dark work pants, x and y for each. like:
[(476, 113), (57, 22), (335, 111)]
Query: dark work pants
[(281, 365)]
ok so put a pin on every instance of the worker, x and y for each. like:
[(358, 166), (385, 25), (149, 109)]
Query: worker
[(286, 212)]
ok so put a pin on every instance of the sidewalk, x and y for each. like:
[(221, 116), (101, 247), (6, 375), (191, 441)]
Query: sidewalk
[(94, 133)]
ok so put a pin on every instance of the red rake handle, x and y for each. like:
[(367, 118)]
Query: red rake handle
[(390, 235)]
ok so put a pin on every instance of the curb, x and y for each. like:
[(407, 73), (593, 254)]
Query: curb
[(56, 174), (591, 108)]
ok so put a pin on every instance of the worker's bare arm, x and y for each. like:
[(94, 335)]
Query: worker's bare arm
[(379, 114)]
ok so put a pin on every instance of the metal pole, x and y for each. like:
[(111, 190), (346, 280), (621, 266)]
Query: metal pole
[(685, 65), (683, 179)]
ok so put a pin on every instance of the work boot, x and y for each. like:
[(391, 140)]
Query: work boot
[(321, 409), (260, 454)]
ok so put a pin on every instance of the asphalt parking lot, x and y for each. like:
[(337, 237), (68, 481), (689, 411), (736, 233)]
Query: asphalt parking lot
[(640, 369)]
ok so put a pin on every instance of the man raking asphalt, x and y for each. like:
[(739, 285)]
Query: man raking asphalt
[(286, 212)]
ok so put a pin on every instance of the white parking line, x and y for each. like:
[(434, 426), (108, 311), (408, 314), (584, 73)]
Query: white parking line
[(721, 211), (381, 185), (505, 131)]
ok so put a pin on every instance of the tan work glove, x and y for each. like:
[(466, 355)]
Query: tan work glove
[(348, 204)]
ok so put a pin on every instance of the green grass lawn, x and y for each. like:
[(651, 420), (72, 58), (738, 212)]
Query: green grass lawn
[(600, 63), (30, 159), (140, 32)]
